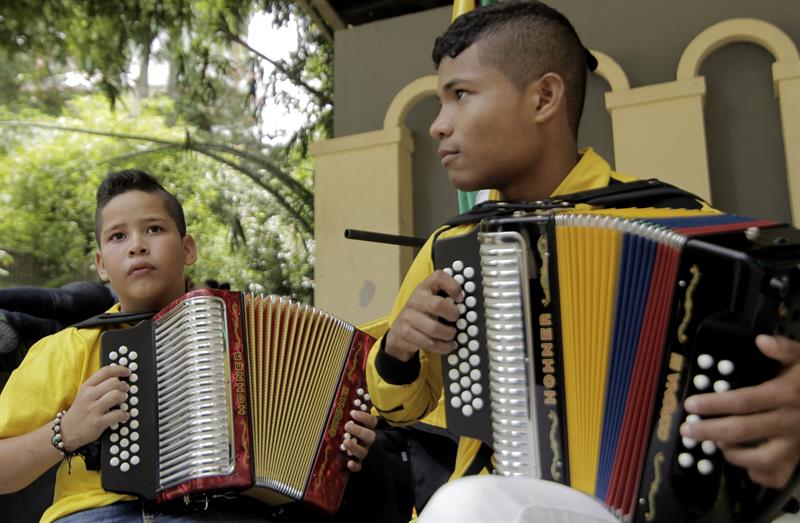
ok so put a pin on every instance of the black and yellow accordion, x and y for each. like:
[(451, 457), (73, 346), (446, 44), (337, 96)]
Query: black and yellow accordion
[(582, 333), (235, 392)]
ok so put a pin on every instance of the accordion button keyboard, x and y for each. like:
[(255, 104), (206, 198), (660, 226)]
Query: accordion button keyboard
[(725, 367), (705, 361), (701, 382), (705, 467), (685, 460), (721, 386)]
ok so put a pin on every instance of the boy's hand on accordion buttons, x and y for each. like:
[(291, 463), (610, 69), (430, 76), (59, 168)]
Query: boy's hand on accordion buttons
[(758, 427), (91, 413), (418, 325), (362, 432)]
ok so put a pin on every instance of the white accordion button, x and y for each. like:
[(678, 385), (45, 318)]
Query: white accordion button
[(133, 366), (472, 316), (462, 337), (471, 301), (463, 353), (124, 443), (134, 413), (114, 437), (474, 360), (454, 388), (459, 279), (115, 426), (685, 460), (469, 272), (347, 435), (705, 467), (133, 355), (123, 349), (448, 270), (465, 382), (123, 406), (464, 367), (461, 324), (360, 391), (134, 424), (112, 355), (709, 447), (473, 345), (455, 401), (134, 389), (461, 308), (134, 460), (134, 436), (123, 361), (133, 378), (363, 407), (342, 447), (701, 382), (452, 360), (469, 286), (692, 418), (453, 374), (477, 403), (114, 461), (124, 431), (135, 448), (366, 397), (357, 402), (466, 396), (705, 361), (725, 367), (114, 449), (458, 266), (466, 410), (476, 389), (124, 454), (475, 374), (721, 386), (689, 443), (134, 400), (472, 330)]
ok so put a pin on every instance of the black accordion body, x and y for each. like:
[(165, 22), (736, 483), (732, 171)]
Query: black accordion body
[(235, 392), (582, 333)]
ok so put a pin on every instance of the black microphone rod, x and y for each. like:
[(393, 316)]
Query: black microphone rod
[(378, 237)]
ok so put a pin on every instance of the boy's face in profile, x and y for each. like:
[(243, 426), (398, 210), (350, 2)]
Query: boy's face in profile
[(142, 252), (486, 128)]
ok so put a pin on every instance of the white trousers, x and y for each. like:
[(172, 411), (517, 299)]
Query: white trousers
[(492, 498)]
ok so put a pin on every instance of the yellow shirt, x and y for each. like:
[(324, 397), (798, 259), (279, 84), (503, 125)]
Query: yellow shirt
[(422, 399), (46, 382)]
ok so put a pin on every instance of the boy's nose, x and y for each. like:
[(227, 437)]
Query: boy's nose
[(440, 128), (137, 246)]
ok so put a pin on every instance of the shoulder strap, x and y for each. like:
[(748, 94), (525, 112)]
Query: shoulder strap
[(640, 193), (118, 318), (483, 459)]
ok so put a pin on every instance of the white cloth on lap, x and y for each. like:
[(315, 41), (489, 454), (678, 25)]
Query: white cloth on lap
[(502, 499)]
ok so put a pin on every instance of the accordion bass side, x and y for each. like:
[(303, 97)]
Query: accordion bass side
[(235, 392), (590, 329)]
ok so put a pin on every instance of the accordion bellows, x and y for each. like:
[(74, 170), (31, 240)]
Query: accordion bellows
[(235, 391), (593, 329)]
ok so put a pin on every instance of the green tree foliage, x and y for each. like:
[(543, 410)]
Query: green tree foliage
[(251, 201), (47, 183)]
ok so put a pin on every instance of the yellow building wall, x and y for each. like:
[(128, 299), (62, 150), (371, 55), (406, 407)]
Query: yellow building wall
[(363, 180)]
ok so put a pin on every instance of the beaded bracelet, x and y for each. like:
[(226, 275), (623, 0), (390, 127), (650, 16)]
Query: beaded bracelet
[(58, 442)]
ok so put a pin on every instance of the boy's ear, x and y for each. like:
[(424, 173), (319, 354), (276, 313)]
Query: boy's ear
[(549, 96), (189, 250), (101, 269)]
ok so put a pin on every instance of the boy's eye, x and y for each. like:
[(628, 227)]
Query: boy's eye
[(154, 228), (116, 236), (459, 93)]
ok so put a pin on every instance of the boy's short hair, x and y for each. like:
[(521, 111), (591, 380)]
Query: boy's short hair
[(120, 182), (524, 40)]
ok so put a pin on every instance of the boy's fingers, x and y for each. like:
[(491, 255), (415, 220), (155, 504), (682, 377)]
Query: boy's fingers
[(355, 450), (738, 429), (441, 281), (110, 400), (109, 371), (771, 463), (746, 400), (779, 348), (362, 434), (365, 419)]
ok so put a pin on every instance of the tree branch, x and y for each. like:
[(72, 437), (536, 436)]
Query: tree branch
[(322, 97)]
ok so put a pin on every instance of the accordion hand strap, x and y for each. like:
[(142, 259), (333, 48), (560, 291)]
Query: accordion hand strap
[(641, 193), (118, 318)]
